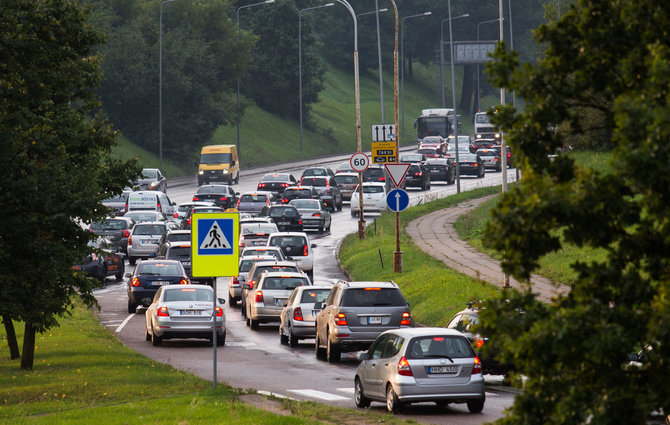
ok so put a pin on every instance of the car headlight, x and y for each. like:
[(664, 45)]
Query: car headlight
[(154, 184), (201, 172), (225, 171)]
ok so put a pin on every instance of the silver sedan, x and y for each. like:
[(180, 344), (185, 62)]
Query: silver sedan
[(313, 213), (184, 311), (297, 318)]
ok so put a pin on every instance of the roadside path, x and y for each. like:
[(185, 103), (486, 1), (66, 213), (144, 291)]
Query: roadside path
[(435, 234)]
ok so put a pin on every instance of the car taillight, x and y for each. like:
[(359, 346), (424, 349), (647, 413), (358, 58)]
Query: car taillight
[(304, 249), (300, 222), (160, 208), (297, 314), (419, 174), (261, 185), (184, 281), (316, 214), (162, 311), (195, 198), (259, 296), (130, 240), (135, 282), (125, 233), (382, 179), (403, 367), (241, 240), (176, 215), (284, 201), (94, 257), (477, 368), (341, 319), (219, 311), (126, 208), (223, 198), (283, 184), (189, 221), (479, 342), (238, 203), (236, 280), (405, 319)]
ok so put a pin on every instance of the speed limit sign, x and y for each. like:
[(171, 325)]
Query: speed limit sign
[(359, 162)]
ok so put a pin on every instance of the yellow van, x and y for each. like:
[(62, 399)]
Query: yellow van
[(219, 163)]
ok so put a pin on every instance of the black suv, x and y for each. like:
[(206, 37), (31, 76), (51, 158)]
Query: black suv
[(418, 176), (298, 192), (465, 321), (328, 191), (441, 169), (220, 194), (286, 217), (355, 313)]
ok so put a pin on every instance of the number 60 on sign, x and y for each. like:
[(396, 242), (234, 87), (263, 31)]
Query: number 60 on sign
[(359, 162)]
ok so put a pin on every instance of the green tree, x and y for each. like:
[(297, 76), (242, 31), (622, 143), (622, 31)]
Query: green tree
[(56, 161), (610, 58)]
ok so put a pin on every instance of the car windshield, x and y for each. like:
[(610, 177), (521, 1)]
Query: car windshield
[(346, 179), (178, 237), (315, 172), (293, 246), (118, 198), (482, 119), (207, 190), (254, 198), (275, 178), (158, 269), (187, 294), (306, 204), (371, 297), (468, 158), (373, 173), (149, 229), (108, 225), (314, 181), (149, 174), (427, 151), (215, 158), (314, 296), (291, 269), (284, 282), (439, 346), (373, 189)]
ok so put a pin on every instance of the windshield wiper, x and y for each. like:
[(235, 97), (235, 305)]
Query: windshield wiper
[(440, 356)]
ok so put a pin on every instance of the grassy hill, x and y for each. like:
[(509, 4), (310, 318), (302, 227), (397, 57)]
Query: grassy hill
[(268, 139)]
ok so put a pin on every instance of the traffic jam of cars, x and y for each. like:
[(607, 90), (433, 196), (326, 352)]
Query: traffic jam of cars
[(279, 223)]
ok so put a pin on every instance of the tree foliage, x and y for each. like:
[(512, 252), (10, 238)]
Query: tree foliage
[(56, 160), (606, 58)]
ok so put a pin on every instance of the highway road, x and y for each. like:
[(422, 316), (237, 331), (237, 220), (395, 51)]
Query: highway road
[(255, 359)]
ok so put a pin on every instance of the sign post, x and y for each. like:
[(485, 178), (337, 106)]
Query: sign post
[(215, 252), (360, 162)]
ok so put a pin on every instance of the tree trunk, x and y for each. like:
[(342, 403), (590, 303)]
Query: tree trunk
[(11, 337), (468, 90), (28, 347)]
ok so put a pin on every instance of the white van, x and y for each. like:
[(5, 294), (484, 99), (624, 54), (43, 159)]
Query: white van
[(146, 200)]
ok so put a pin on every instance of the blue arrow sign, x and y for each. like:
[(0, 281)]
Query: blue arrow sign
[(397, 200)]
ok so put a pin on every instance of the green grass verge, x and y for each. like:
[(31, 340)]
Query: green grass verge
[(434, 291), (84, 375)]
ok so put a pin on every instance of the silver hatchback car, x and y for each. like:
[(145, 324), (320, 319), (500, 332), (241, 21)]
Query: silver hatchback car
[(297, 318), (143, 240), (266, 301), (423, 364)]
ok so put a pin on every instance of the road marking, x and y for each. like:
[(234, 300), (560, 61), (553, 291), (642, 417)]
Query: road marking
[(240, 344), (348, 390), (319, 394), (271, 394), (123, 324)]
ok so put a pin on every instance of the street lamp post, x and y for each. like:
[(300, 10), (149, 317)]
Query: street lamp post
[(402, 65), (377, 11), (160, 83), (442, 50), (478, 69), (237, 32), (300, 58)]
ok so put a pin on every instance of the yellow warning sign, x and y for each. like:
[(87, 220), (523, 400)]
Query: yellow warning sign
[(214, 244)]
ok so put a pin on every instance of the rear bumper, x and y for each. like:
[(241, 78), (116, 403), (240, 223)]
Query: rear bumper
[(407, 389)]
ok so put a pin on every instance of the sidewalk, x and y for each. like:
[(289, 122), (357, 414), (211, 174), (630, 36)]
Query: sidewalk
[(435, 234)]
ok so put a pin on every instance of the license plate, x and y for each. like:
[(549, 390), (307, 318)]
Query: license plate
[(190, 312), (442, 369), (434, 171), (187, 264), (159, 282), (257, 243), (374, 320), (280, 301), (284, 223)]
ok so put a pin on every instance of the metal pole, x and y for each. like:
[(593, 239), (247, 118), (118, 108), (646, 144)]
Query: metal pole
[(160, 83), (397, 254), (237, 34), (478, 69), (214, 336), (503, 150), (442, 57), (402, 66), (377, 11), (511, 40), (300, 59), (453, 99)]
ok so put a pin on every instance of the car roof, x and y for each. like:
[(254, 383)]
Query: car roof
[(346, 173), (424, 331), (145, 223), (275, 262), (368, 284), (374, 184), (190, 286), (288, 233), (284, 274)]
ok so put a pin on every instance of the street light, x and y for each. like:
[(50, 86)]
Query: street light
[(478, 71), (237, 32), (402, 66), (300, 59), (377, 11), (160, 83), (442, 50)]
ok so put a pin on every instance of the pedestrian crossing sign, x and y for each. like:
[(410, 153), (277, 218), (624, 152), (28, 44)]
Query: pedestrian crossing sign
[(214, 247)]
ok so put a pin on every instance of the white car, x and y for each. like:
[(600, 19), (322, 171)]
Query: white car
[(184, 311), (185, 207), (374, 199), (296, 247)]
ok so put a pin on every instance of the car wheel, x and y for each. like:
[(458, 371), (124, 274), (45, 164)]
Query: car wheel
[(103, 273), (442, 404), (221, 340), (322, 228), (428, 185), (283, 339), (354, 214), (329, 224), (392, 402), (333, 352), (339, 206), (131, 307), (232, 300), (254, 324), (310, 274), (292, 339), (243, 309), (147, 335), (359, 396), (318, 350), (199, 181), (132, 260), (230, 179), (476, 406), (122, 270), (156, 341)]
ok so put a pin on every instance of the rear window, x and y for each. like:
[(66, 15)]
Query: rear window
[(205, 190), (306, 204), (487, 153), (188, 294), (284, 212), (178, 237), (427, 151), (275, 178), (346, 179), (149, 174), (185, 208), (373, 172), (284, 282), (179, 252), (158, 269), (149, 229), (250, 230), (369, 297), (108, 225), (258, 252), (253, 198), (439, 346), (373, 189), (314, 181), (118, 198), (314, 296), (315, 172), (294, 246), (292, 269)]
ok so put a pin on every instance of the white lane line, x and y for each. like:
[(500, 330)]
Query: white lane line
[(319, 394), (123, 324), (240, 344), (347, 390)]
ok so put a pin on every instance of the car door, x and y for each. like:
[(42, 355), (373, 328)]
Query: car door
[(373, 370), (323, 318)]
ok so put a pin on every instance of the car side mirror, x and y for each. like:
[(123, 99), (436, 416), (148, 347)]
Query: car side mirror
[(313, 245), (221, 301), (289, 258), (363, 356), (173, 203)]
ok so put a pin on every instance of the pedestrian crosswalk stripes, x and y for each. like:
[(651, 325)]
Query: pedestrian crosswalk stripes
[(319, 394)]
